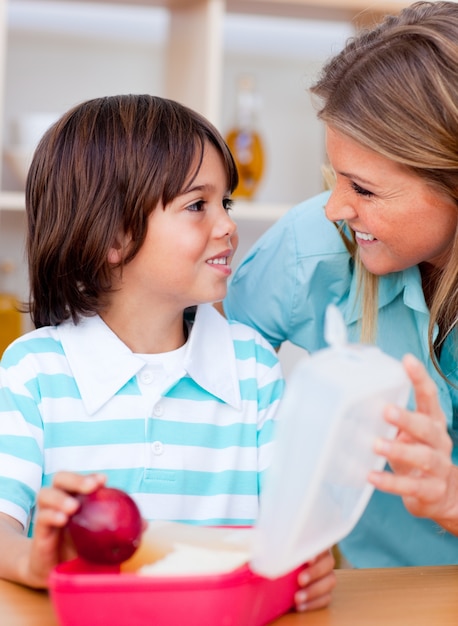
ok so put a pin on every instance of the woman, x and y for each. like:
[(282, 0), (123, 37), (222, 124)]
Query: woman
[(383, 247)]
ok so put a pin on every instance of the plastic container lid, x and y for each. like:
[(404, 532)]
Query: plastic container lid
[(316, 488)]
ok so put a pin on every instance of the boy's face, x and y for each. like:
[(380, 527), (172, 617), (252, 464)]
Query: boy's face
[(185, 259)]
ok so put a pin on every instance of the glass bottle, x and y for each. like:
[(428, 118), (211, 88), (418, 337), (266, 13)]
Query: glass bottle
[(245, 141)]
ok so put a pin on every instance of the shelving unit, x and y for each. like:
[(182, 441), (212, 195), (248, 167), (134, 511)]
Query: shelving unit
[(193, 69), (11, 201), (194, 56), (246, 211), (195, 46)]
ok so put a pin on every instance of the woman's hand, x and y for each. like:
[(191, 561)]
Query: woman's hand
[(49, 545), (420, 455), (317, 580)]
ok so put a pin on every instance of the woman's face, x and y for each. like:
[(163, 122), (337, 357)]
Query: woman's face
[(398, 220)]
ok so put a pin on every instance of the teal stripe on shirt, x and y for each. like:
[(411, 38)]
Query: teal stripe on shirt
[(132, 431), (268, 394), (181, 482), (250, 349), (13, 402), (267, 433), (188, 389), (22, 447), (186, 482), (131, 388), (206, 435), (17, 351), (86, 433), (64, 386), (265, 396), (219, 521), (17, 492), (53, 386)]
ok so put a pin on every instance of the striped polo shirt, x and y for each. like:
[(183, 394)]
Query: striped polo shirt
[(189, 435)]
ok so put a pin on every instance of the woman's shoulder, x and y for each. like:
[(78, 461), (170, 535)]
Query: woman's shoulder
[(314, 232), (306, 230)]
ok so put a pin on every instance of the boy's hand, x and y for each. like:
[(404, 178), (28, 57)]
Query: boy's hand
[(317, 580), (55, 504)]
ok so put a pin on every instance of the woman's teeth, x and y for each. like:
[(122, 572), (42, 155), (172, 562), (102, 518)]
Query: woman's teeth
[(364, 236)]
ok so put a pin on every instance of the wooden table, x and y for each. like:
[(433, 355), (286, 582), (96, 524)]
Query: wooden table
[(407, 596), (416, 596)]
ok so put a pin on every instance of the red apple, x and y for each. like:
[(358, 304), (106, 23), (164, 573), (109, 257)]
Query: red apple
[(107, 527)]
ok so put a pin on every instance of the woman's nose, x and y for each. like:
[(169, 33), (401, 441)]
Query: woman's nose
[(338, 208)]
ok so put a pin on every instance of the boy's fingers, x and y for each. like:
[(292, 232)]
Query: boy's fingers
[(78, 483)]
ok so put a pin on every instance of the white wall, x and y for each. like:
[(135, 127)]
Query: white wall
[(62, 53), (59, 55)]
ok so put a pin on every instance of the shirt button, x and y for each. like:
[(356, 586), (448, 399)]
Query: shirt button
[(158, 410), (147, 376), (158, 448)]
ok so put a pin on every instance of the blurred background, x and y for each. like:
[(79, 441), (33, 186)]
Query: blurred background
[(58, 53)]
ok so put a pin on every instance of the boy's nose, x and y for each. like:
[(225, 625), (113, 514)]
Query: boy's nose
[(229, 226)]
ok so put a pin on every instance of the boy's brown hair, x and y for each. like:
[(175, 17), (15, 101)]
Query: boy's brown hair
[(98, 172)]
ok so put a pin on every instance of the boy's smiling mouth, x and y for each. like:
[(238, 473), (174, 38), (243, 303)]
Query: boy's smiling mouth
[(221, 260)]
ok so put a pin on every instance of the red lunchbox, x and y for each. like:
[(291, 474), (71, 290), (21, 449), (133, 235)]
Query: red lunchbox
[(81, 595)]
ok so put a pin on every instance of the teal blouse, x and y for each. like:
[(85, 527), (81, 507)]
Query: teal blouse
[(282, 288)]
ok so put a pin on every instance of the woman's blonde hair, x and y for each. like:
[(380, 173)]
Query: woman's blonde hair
[(394, 89)]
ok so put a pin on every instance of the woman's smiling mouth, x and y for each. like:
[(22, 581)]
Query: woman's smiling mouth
[(364, 236)]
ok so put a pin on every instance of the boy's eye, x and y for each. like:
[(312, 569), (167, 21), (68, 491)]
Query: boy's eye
[(196, 206), (360, 190), (228, 204)]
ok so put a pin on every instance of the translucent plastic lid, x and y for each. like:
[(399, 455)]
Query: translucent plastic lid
[(316, 489)]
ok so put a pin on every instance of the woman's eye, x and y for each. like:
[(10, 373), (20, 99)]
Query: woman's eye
[(196, 206), (360, 190), (228, 204)]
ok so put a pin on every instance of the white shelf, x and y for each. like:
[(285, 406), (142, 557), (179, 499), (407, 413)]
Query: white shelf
[(194, 56), (258, 212), (12, 201), (243, 211), (194, 59), (324, 9)]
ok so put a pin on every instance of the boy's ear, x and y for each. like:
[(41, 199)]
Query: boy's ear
[(119, 249)]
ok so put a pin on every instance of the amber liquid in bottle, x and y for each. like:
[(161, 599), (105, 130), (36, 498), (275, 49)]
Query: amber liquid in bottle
[(245, 141)]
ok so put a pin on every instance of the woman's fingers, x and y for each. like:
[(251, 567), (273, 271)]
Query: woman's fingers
[(425, 389), (420, 455), (405, 456), (417, 426), (425, 489)]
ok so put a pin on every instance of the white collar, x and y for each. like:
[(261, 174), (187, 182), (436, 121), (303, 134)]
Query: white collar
[(102, 364)]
